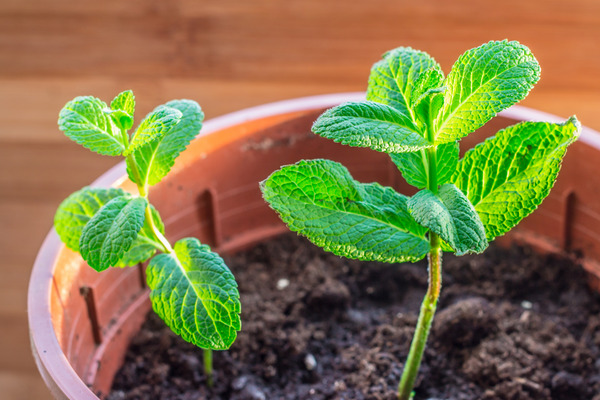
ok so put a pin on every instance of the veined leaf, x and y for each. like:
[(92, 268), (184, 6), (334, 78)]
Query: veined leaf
[(124, 101), (77, 209), (414, 169), (144, 245), (320, 200), (108, 235), (428, 82), (450, 215), (155, 125), (123, 109), (392, 79), (154, 160), (484, 81), (83, 120), (196, 295), (507, 176), (370, 124)]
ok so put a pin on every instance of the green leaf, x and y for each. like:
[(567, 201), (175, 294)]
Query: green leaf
[(507, 176), (450, 215), (144, 246), (77, 209), (320, 200), (123, 109), (370, 124), (154, 126), (427, 83), (413, 166), (392, 79), (83, 120), (154, 160), (484, 81), (196, 295), (124, 101), (122, 120), (108, 235)]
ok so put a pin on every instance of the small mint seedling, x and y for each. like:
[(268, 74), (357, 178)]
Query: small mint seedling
[(192, 289), (418, 116)]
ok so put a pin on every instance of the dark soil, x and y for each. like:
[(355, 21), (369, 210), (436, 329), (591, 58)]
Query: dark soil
[(510, 325)]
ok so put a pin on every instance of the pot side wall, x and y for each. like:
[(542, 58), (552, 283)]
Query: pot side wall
[(213, 194)]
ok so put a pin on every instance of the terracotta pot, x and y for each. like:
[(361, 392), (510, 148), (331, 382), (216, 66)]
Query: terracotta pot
[(81, 321)]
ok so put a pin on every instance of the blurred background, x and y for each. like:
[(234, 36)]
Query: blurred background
[(227, 55)]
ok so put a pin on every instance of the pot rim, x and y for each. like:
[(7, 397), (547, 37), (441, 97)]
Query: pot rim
[(52, 363)]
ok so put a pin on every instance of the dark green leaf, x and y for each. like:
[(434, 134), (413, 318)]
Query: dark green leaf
[(370, 124), (109, 234), (450, 215), (196, 295), (320, 200)]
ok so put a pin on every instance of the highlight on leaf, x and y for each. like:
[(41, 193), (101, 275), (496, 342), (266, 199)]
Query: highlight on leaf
[(418, 117), (112, 228), (508, 176), (320, 200)]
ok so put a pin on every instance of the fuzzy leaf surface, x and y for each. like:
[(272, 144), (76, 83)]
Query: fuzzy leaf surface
[(484, 81), (196, 295), (84, 121), (144, 245), (320, 200), (77, 209), (413, 166), (451, 216), (369, 124), (392, 79), (154, 160), (156, 124), (508, 176), (109, 234)]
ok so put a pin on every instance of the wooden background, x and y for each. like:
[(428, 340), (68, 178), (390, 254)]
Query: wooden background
[(227, 55)]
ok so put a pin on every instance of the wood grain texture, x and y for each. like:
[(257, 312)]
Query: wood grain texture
[(227, 55)]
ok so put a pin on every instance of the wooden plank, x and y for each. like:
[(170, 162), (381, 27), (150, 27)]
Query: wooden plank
[(22, 386)]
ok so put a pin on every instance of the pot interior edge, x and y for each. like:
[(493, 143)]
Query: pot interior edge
[(226, 210)]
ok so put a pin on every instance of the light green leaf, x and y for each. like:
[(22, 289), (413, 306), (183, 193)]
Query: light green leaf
[(144, 246), (392, 79), (124, 101), (370, 124), (484, 81), (77, 209), (83, 120), (413, 166), (154, 160), (450, 215), (108, 235), (196, 295), (427, 83), (507, 176), (122, 120), (154, 126), (320, 200)]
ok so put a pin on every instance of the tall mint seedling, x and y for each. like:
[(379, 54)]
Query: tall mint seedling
[(418, 116), (192, 289)]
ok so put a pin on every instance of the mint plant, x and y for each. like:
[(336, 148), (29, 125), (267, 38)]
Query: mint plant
[(418, 116), (192, 289)]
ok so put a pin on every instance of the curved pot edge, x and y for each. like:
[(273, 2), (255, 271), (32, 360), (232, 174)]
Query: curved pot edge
[(46, 347)]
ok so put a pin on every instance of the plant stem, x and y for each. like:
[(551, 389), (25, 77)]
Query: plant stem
[(417, 347), (208, 366)]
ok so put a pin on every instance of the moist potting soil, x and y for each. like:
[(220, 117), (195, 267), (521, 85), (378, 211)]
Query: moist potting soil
[(510, 325)]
